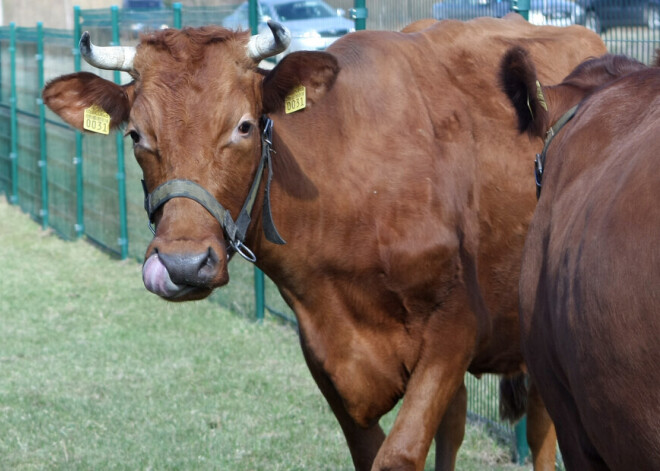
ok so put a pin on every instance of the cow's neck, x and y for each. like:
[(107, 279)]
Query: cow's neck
[(290, 185)]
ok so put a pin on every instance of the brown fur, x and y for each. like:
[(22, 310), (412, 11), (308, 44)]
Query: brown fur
[(402, 193), (190, 45), (419, 25), (588, 319)]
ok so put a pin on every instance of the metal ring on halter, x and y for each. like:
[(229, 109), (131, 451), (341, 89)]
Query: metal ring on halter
[(242, 250)]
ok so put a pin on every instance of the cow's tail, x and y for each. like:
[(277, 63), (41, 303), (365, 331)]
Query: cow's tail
[(513, 397)]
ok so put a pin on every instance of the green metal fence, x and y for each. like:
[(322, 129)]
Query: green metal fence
[(41, 159), (90, 185)]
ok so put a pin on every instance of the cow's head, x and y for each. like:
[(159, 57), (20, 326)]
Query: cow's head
[(538, 106), (194, 113)]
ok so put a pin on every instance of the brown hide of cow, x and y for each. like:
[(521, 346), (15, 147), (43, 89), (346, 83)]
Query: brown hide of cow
[(589, 304), (402, 190), (419, 25)]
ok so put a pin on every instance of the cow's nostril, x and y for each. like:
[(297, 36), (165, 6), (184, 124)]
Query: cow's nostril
[(209, 268), (191, 269)]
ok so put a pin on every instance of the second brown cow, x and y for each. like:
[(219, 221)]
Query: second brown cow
[(589, 292)]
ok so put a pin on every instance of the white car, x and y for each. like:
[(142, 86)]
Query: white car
[(314, 24)]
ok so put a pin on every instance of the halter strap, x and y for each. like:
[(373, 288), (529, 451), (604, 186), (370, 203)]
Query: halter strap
[(539, 162), (235, 232)]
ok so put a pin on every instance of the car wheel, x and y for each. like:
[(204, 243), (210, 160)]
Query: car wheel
[(592, 22), (653, 17)]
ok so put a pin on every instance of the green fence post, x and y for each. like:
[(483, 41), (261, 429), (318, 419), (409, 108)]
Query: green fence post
[(42, 128), (2, 77), (121, 172), (522, 7), (522, 447), (259, 278), (13, 155), (77, 159), (359, 13), (176, 7), (259, 294), (253, 15)]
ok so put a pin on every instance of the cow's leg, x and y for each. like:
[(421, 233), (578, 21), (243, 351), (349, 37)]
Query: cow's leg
[(424, 404), (541, 434), (363, 443), (450, 434), (432, 386)]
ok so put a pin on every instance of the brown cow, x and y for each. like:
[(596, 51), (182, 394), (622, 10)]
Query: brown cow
[(588, 294), (400, 189)]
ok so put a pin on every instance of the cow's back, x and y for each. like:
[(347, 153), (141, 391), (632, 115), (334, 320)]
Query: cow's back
[(589, 294)]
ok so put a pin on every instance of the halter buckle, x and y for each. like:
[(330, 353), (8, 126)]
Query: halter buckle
[(242, 250)]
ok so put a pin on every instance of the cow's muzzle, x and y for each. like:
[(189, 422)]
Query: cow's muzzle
[(182, 276)]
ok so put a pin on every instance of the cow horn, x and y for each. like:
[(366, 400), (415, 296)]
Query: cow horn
[(269, 43), (109, 58)]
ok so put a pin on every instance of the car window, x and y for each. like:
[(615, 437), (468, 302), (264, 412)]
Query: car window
[(303, 10)]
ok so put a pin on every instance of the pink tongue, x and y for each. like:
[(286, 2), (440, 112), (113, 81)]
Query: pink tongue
[(157, 279)]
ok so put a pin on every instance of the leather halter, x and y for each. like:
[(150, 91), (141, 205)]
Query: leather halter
[(234, 231), (539, 163)]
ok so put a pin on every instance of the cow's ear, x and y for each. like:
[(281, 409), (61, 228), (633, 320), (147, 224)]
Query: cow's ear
[(519, 81), (70, 95), (316, 71)]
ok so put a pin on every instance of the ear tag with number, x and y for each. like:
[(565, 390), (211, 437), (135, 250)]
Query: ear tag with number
[(540, 97), (296, 100), (96, 120)]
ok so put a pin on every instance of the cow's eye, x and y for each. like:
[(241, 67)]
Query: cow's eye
[(245, 127), (134, 135)]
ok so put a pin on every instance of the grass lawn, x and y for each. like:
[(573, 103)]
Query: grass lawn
[(98, 374)]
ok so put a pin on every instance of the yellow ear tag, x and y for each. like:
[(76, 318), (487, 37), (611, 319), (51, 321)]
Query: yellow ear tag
[(296, 100), (539, 95), (96, 120)]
